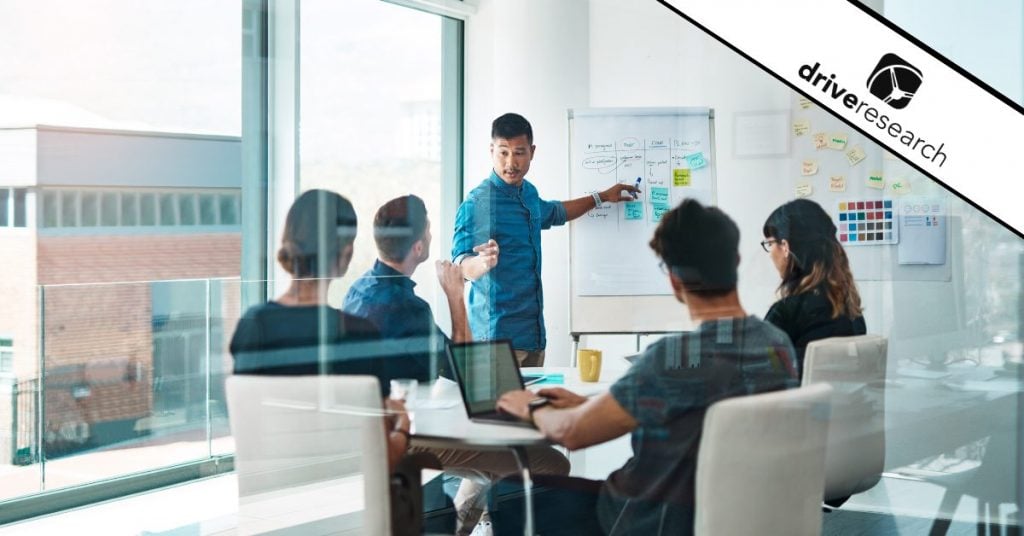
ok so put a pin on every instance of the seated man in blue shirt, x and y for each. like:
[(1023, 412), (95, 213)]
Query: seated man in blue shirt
[(663, 397), (506, 300), (385, 296)]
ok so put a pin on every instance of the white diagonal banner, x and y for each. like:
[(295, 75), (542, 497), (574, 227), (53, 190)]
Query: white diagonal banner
[(886, 86)]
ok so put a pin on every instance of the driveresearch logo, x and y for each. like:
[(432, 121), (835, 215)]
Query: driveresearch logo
[(897, 91), (895, 81)]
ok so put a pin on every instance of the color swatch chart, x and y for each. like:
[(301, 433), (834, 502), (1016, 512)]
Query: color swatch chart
[(867, 223)]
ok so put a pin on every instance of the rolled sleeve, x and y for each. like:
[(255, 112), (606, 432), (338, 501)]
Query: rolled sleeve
[(462, 242), (552, 213)]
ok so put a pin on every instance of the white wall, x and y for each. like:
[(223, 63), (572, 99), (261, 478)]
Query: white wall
[(538, 58), (530, 57)]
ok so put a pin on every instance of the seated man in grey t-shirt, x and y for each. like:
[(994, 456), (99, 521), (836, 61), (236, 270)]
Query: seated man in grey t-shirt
[(663, 397)]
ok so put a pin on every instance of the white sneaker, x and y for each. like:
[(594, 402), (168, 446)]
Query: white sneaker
[(483, 528)]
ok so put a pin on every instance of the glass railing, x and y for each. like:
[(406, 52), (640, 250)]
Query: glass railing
[(126, 378), (129, 378)]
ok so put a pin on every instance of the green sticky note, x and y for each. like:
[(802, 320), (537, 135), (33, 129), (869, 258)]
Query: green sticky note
[(695, 160), (680, 177), (634, 210), (658, 194), (657, 211)]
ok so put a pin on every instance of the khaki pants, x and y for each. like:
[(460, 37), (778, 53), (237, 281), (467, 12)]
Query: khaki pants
[(480, 468), (527, 358)]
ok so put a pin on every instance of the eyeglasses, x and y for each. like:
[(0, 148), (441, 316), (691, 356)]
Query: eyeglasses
[(766, 245)]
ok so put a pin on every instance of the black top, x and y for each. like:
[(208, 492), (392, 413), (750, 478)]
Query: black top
[(807, 317), (274, 339)]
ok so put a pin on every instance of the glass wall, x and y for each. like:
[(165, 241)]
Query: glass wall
[(390, 144), (120, 237), (125, 293)]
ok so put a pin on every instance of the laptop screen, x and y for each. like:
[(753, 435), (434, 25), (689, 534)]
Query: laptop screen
[(485, 370)]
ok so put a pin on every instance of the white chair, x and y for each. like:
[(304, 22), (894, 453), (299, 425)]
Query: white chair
[(760, 469), (310, 454), (855, 368)]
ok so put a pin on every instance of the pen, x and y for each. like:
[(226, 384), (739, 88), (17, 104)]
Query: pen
[(637, 185)]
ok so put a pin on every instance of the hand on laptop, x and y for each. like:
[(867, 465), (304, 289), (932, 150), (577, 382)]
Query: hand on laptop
[(517, 403), (561, 398)]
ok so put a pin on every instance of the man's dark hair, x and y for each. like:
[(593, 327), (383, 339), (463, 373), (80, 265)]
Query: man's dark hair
[(700, 245), (511, 126), (399, 223)]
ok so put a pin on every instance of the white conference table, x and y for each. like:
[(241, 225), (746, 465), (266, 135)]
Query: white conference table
[(439, 420), (439, 417)]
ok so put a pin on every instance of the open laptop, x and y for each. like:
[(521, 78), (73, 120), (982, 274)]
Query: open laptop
[(485, 370)]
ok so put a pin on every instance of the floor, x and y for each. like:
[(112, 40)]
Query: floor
[(209, 507)]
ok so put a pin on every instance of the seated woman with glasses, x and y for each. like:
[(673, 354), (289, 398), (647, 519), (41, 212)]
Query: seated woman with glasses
[(818, 297)]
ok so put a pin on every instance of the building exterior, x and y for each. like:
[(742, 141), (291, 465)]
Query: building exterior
[(125, 245)]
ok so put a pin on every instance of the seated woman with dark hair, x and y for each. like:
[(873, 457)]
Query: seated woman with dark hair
[(299, 333), (819, 298)]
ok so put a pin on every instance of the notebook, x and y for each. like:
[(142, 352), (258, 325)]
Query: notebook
[(485, 370)]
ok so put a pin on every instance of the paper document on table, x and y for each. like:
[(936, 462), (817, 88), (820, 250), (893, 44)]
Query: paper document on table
[(433, 404)]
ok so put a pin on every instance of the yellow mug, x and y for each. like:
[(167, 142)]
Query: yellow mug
[(589, 362)]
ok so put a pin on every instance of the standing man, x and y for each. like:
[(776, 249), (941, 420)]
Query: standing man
[(506, 300)]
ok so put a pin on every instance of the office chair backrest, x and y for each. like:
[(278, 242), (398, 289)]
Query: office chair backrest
[(301, 445), (855, 368), (760, 469)]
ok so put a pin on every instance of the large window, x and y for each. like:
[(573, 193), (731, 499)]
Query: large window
[(134, 289), (371, 109), (110, 209), (140, 100), (12, 207)]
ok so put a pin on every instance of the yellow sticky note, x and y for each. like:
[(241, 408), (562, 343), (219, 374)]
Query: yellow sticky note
[(809, 167), (801, 127), (855, 155), (804, 189), (875, 180), (842, 205), (837, 183), (804, 102), (899, 186), (680, 177), (837, 141), (820, 140)]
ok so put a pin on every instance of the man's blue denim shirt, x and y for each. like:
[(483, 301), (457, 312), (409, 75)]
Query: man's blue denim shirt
[(385, 297), (508, 302)]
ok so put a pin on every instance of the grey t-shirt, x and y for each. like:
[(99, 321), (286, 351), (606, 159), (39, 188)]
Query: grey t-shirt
[(667, 391)]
